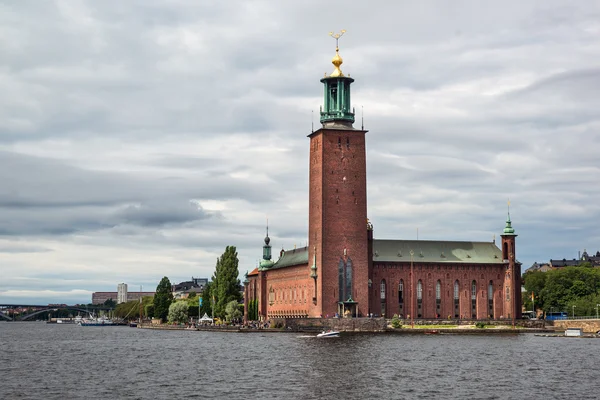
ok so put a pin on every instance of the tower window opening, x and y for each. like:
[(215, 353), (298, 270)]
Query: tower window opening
[(339, 142), (347, 142)]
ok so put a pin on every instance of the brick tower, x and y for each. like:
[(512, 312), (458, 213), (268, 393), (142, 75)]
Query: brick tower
[(338, 246), (512, 273)]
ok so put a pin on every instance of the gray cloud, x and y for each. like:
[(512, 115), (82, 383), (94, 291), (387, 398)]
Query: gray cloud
[(139, 139)]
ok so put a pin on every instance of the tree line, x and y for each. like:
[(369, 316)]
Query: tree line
[(220, 297), (561, 289)]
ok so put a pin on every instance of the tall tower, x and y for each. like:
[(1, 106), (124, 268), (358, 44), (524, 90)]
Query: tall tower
[(338, 204), (512, 273)]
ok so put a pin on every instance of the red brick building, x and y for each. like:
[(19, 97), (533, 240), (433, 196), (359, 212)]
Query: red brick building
[(344, 271)]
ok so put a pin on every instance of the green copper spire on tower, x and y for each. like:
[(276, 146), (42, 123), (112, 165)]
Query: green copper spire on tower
[(266, 262), (336, 106), (508, 229)]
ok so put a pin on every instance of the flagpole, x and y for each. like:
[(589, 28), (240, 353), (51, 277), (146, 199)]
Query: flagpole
[(412, 292)]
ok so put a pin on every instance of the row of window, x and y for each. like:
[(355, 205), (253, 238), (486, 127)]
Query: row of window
[(280, 296), (438, 297), (438, 290), (436, 267)]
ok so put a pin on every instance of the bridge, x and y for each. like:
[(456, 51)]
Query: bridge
[(36, 309)]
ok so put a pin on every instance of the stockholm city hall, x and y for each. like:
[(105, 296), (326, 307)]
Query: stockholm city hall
[(345, 272)]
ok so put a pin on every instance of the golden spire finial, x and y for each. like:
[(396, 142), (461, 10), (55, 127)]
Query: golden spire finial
[(337, 60)]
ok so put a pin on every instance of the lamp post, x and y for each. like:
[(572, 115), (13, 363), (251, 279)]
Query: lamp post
[(597, 305), (573, 311), (412, 293)]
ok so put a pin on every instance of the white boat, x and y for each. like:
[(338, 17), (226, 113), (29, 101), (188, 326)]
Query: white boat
[(329, 333), (100, 321)]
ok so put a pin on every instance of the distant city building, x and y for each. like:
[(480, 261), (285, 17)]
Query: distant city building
[(594, 260), (101, 297), (183, 289), (121, 293)]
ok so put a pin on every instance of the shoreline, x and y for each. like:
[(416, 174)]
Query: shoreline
[(399, 331)]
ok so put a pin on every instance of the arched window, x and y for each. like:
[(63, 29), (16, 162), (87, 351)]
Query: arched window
[(382, 296), (341, 285), (491, 299), (438, 299), (505, 251), (456, 299), (401, 297), (271, 296), (419, 299), (474, 300), (401, 292)]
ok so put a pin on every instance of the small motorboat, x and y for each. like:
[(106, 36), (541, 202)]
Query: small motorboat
[(329, 333), (432, 332)]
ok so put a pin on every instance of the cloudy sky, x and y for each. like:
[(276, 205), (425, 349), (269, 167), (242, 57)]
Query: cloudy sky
[(138, 139)]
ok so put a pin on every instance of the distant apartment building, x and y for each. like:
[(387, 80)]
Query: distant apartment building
[(594, 260), (121, 293), (101, 297)]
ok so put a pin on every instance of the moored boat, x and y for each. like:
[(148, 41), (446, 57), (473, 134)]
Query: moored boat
[(100, 321)]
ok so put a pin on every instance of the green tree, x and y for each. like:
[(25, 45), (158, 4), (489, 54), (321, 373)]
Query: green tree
[(227, 284), (110, 303), (163, 299), (192, 295), (207, 300), (149, 310), (232, 311), (534, 282), (128, 310), (561, 289), (178, 312)]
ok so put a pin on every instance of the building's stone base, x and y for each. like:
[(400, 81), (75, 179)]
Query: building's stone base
[(381, 324), (338, 324), (588, 325), (525, 323)]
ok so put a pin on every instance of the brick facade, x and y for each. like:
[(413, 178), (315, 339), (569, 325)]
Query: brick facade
[(338, 216), (401, 302), (284, 293)]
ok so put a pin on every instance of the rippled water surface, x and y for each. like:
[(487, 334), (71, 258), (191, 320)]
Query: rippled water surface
[(43, 361)]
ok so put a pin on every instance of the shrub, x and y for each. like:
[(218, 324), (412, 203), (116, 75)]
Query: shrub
[(396, 322), (480, 325)]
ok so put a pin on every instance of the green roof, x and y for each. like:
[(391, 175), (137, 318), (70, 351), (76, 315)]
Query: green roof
[(291, 258), (436, 251)]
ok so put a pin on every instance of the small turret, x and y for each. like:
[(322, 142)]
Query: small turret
[(266, 262)]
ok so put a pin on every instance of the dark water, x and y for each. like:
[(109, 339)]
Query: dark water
[(42, 361)]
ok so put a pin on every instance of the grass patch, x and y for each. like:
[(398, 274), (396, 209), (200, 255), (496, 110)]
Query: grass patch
[(434, 326)]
